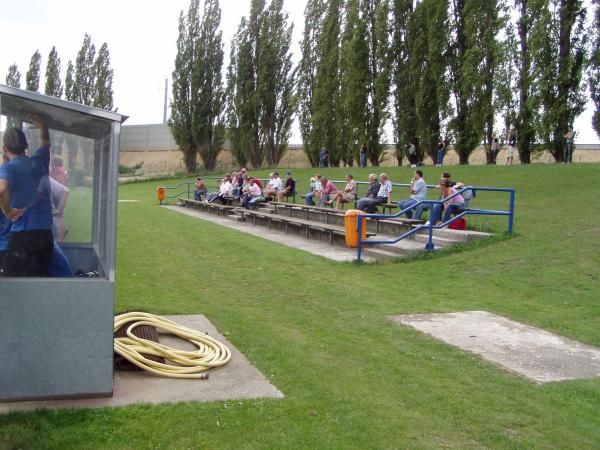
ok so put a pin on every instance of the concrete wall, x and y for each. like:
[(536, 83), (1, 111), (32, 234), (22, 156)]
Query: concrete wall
[(154, 146)]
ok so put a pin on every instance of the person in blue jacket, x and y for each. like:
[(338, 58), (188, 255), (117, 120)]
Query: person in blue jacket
[(26, 202)]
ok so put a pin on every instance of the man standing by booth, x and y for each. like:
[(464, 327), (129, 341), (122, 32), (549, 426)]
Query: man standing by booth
[(25, 199)]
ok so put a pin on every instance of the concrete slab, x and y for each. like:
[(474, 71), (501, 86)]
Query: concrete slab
[(128, 201), (235, 381), (315, 247), (528, 351)]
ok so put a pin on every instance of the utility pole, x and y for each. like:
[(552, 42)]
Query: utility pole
[(166, 99)]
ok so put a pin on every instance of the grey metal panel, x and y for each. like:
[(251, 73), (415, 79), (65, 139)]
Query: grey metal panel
[(56, 338), (65, 104)]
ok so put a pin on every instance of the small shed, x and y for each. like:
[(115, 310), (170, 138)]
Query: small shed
[(56, 334)]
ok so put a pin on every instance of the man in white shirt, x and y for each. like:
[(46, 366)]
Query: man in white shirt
[(418, 192), (274, 186), (253, 194), (383, 196)]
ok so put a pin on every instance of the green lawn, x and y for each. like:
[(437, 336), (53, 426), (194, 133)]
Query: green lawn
[(319, 330)]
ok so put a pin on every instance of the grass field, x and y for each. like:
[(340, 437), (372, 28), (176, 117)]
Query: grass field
[(319, 331)]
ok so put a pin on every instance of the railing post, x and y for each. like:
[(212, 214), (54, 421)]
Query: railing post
[(359, 225), (511, 216), (429, 245)]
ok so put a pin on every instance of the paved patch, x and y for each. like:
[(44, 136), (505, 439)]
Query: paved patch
[(528, 351), (235, 381), (315, 247), (128, 201)]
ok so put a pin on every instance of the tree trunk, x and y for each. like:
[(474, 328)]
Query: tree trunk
[(190, 159), (525, 131)]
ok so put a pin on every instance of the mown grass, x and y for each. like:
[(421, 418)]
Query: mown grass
[(320, 330)]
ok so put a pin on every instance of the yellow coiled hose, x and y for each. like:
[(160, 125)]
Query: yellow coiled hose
[(184, 364)]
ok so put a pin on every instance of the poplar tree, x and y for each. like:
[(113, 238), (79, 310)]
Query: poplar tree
[(183, 108), (594, 78), (244, 105), (326, 88), (103, 93), (84, 84), (32, 77), (428, 68), (351, 103), (53, 86), (276, 80), (471, 63), (404, 77), (314, 15), (69, 81), (376, 13), (560, 63), (207, 88), (13, 77)]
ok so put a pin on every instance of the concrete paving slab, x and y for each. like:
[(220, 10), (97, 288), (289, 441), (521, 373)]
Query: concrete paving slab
[(128, 201), (536, 354), (315, 247), (237, 380)]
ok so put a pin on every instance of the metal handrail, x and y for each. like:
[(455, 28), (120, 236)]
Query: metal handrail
[(431, 203)]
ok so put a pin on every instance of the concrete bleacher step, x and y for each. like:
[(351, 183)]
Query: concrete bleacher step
[(462, 236), (437, 240), (402, 248)]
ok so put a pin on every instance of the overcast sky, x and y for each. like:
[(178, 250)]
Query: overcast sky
[(141, 36)]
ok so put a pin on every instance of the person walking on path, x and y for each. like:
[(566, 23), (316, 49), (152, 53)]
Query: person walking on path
[(570, 139)]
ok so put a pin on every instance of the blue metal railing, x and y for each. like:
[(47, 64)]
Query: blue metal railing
[(431, 226)]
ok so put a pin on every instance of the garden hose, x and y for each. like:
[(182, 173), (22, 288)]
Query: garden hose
[(210, 353)]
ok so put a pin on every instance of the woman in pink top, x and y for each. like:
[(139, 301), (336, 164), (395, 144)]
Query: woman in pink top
[(451, 206)]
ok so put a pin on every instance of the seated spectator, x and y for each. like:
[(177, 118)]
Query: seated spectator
[(237, 182), (289, 189), (252, 194), (329, 190), (201, 189), (274, 186), (225, 188), (384, 195), (371, 192), (425, 207), (418, 192), (451, 206), (347, 195), (316, 190)]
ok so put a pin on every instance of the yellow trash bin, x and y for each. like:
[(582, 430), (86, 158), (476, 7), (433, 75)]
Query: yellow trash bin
[(160, 194), (350, 222)]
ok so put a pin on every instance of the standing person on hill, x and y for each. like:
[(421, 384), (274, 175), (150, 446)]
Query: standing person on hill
[(25, 199), (324, 157), (418, 192), (363, 155), (512, 143), (569, 142), (495, 148), (440, 153)]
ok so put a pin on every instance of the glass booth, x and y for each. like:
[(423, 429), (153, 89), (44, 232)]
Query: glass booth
[(57, 333)]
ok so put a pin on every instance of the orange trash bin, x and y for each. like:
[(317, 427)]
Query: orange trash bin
[(351, 225), (160, 194)]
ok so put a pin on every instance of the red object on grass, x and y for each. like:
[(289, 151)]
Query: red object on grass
[(460, 224)]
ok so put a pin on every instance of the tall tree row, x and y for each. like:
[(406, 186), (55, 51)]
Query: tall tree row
[(260, 85), (595, 67), (196, 108), (89, 81)]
